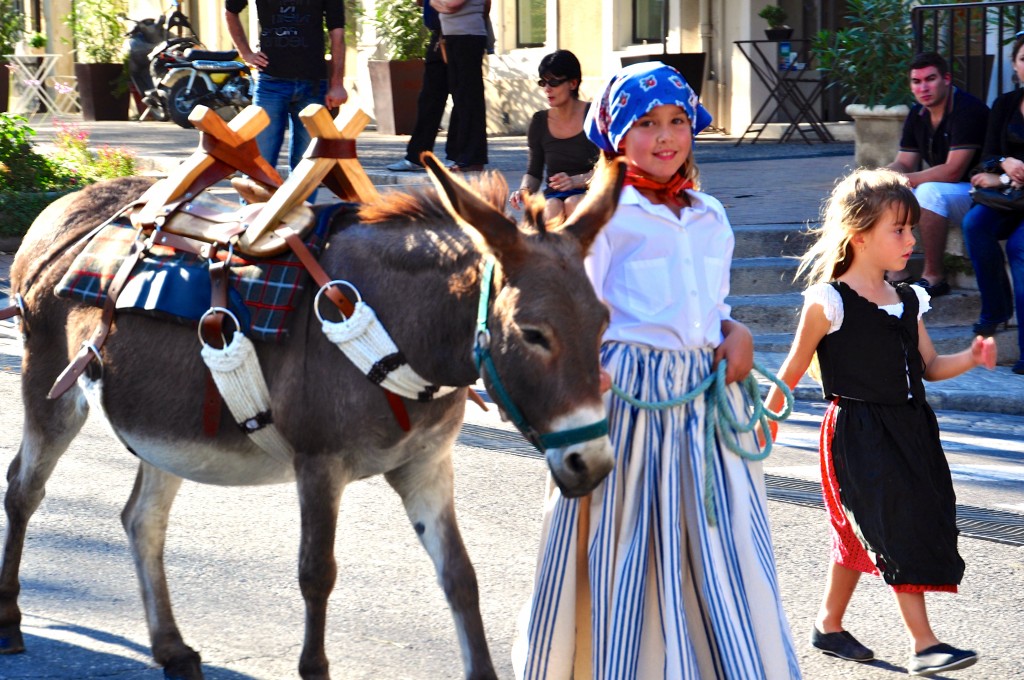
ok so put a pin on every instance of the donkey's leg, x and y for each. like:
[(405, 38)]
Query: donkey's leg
[(48, 430), (426, 487), (321, 480), (145, 521)]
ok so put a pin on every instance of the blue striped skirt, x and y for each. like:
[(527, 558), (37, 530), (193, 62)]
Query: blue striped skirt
[(670, 595)]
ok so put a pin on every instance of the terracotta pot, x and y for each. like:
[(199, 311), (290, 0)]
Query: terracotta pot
[(396, 87), (876, 133), (98, 86)]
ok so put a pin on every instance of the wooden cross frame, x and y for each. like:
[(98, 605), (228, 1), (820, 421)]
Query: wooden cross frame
[(330, 158), (224, 148)]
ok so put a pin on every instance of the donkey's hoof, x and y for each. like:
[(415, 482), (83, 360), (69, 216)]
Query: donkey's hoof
[(185, 667), (11, 641)]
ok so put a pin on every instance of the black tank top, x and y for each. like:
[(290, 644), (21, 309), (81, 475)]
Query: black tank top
[(872, 354)]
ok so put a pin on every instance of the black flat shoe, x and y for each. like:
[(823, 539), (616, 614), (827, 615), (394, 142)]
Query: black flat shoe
[(1018, 367), (940, 657), (934, 289), (987, 330), (841, 644)]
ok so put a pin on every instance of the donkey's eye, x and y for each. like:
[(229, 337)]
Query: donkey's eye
[(536, 337)]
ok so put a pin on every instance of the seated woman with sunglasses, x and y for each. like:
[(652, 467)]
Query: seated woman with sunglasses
[(556, 140)]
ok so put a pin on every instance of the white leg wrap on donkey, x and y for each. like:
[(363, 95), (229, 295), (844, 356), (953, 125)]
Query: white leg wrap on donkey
[(367, 344), (236, 370)]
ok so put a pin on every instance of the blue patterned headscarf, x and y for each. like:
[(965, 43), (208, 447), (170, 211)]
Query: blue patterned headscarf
[(631, 94)]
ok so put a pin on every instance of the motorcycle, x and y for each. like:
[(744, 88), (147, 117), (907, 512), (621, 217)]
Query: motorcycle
[(143, 37), (155, 46), (210, 78)]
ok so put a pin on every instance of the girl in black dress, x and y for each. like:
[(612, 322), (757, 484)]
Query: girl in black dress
[(886, 482)]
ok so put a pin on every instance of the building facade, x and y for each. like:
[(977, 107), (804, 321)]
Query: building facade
[(600, 33)]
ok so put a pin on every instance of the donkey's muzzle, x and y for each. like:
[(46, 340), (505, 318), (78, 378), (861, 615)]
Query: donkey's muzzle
[(578, 468)]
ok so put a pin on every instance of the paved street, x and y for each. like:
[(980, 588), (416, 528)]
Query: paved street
[(231, 552), (231, 564)]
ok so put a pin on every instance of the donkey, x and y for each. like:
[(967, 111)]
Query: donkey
[(417, 258)]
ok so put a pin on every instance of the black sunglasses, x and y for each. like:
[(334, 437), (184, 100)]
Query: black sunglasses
[(552, 82)]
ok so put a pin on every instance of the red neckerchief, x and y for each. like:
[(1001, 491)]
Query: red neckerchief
[(672, 192)]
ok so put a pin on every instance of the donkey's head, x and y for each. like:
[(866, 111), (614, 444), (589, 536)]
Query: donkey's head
[(538, 350)]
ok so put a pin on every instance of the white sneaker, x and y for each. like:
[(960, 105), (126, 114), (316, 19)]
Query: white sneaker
[(406, 165)]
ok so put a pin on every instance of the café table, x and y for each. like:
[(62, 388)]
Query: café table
[(29, 75), (794, 90)]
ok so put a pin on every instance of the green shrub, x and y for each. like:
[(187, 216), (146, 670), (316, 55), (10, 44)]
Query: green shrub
[(22, 168), (29, 180), (20, 209), (869, 59), (400, 28)]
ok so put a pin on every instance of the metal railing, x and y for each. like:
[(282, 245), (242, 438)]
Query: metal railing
[(975, 38)]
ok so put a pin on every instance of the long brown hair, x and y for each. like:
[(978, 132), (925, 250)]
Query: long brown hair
[(856, 204)]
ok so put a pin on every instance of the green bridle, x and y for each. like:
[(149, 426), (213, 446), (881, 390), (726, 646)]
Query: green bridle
[(485, 365)]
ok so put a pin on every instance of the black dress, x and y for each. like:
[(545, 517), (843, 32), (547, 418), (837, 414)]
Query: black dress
[(894, 481)]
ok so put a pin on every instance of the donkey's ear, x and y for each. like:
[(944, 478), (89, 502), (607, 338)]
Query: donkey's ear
[(598, 207), (467, 206)]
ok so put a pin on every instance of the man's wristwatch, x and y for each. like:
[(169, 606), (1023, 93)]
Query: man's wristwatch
[(1005, 180)]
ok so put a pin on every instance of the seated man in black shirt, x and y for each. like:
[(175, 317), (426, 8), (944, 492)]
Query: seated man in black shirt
[(942, 140)]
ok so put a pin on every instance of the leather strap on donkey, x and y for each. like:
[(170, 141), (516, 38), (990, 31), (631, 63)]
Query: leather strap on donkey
[(91, 347), (344, 305)]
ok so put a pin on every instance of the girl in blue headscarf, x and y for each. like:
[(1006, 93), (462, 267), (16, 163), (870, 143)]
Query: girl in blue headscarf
[(677, 576)]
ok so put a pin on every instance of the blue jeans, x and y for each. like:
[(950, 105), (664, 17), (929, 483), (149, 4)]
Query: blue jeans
[(984, 228), (283, 99)]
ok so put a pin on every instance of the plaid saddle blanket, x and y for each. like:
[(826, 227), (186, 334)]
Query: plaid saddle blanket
[(173, 284)]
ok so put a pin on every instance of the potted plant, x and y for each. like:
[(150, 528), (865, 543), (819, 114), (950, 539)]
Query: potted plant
[(36, 42), (12, 22), (396, 80), (776, 18), (100, 69), (869, 60)]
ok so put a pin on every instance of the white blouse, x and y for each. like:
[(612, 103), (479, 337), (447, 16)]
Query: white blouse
[(664, 278), (830, 300)]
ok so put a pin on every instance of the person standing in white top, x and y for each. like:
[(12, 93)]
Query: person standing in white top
[(680, 576)]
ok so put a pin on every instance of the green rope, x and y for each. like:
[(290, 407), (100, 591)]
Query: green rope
[(719, 418)]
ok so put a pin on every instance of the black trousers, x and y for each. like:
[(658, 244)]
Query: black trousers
[(467, 130), (432, 100)]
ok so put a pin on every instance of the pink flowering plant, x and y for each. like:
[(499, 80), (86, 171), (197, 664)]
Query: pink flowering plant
[(30, 179), (73, 153)]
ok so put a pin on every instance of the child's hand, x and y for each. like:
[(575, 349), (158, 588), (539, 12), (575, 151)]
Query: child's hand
[(983, 351), (605, 381), (738, 351)]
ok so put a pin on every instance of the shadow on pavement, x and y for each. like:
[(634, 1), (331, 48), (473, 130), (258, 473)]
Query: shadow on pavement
[(55, 655)]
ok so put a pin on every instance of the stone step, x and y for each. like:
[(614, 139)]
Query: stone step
[(771, 240), (780, 313), (764, 276)]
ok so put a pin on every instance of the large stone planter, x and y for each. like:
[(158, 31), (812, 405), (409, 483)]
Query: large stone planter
[(396, 88), (101, 91), (876, 133)]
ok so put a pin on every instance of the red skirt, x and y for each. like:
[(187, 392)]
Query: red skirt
[(847, 549)]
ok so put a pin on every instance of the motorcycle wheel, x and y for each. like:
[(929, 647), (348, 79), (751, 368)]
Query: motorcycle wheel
[(181, 100)]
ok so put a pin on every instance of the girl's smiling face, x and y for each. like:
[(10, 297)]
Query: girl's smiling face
[(659, 143)]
